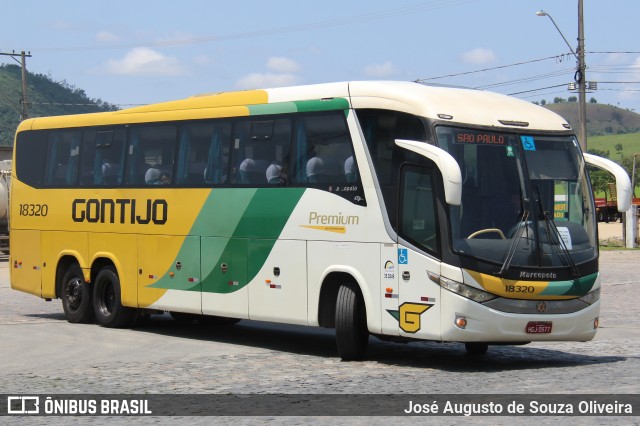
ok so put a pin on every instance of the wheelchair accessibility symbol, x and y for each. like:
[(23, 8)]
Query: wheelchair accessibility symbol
[(403, 256)]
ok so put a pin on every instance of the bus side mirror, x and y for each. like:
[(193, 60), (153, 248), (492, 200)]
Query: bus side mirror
[(447, 165), (623, 184)]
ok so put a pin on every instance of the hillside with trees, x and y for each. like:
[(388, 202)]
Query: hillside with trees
[(601, 119), (45, 96), (612, 132)]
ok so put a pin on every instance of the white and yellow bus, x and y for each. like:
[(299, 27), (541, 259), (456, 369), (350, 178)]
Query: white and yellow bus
[(393, 209)]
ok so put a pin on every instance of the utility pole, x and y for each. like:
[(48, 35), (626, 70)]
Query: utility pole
[(23, 64), (582, 81), (580, 76), (25, 102)]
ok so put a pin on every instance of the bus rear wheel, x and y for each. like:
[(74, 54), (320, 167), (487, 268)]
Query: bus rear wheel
[(352, 335), (76, 296), (107, 300)]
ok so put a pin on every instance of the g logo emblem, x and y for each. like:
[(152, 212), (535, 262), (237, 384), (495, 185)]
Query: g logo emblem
[(410, 316)]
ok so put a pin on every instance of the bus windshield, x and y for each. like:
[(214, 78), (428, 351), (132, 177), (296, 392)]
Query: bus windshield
[(525, 199)]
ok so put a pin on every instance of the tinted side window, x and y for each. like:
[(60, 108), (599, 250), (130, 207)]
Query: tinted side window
[(381, 128), (151, 155), (31, 152), (323, 151), (109, 157), (418, 223), (62, 158), (204, 153), (88, 158), (261, 152)]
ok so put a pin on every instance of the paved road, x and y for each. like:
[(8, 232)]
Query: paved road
[(42, 353)]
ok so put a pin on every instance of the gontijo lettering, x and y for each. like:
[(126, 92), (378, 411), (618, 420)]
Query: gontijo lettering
[(120, 210)]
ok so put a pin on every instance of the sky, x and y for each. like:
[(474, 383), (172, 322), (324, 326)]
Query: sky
[(138, 51)]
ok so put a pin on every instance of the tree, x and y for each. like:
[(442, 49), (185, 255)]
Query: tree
[(572, 99), (558, 100), (593, 101), (543, 102)]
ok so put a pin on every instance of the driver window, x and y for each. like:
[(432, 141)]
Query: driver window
[(419, 223)]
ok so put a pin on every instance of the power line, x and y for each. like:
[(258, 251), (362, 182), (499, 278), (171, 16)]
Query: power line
[(555, 92), (558, 73), (422, 80), (535, 90), (619, 82), (613, 53)]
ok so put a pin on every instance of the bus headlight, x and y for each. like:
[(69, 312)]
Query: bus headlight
[(464, 290), (591, 297)]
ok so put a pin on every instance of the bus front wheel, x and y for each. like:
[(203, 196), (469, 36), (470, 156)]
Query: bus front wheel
[(76, 296), (352, 335), (107, 300)]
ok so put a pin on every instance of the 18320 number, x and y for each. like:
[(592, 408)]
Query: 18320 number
[(34, 209), (519, 289)]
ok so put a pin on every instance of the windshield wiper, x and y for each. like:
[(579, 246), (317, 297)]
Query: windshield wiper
[(552, 229), (513, 247)]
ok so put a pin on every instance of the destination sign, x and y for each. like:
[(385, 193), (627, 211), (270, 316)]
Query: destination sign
[(479, 138)]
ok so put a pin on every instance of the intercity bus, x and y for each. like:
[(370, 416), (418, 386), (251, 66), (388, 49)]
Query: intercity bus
[(393, 209)]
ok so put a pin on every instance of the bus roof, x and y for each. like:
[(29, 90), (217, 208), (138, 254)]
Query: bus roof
[(459, 105)]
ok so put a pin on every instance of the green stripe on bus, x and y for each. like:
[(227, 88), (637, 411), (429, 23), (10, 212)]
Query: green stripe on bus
[(277, 108), (323, 105), (578, 287), (239, 227), (299, 106), (262, 221)]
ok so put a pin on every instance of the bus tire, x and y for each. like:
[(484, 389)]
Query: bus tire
[(352, 335), (76, 296), (476, 348), (107, 302)]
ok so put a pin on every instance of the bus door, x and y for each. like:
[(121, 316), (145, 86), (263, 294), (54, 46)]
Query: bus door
[(418, 246)]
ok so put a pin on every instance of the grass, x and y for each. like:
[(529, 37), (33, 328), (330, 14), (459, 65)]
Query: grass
[(630, 144)]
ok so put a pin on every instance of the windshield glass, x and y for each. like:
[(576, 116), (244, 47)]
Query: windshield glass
[(525, 199)]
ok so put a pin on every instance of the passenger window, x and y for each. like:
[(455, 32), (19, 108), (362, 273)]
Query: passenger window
[(204, 154), (323, 152), (31, 154), (261, 152), (63, 158), (151, 155), (109, 157), (88, 158)]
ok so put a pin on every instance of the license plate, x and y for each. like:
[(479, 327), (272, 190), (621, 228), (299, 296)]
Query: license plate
[(539, 327)]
